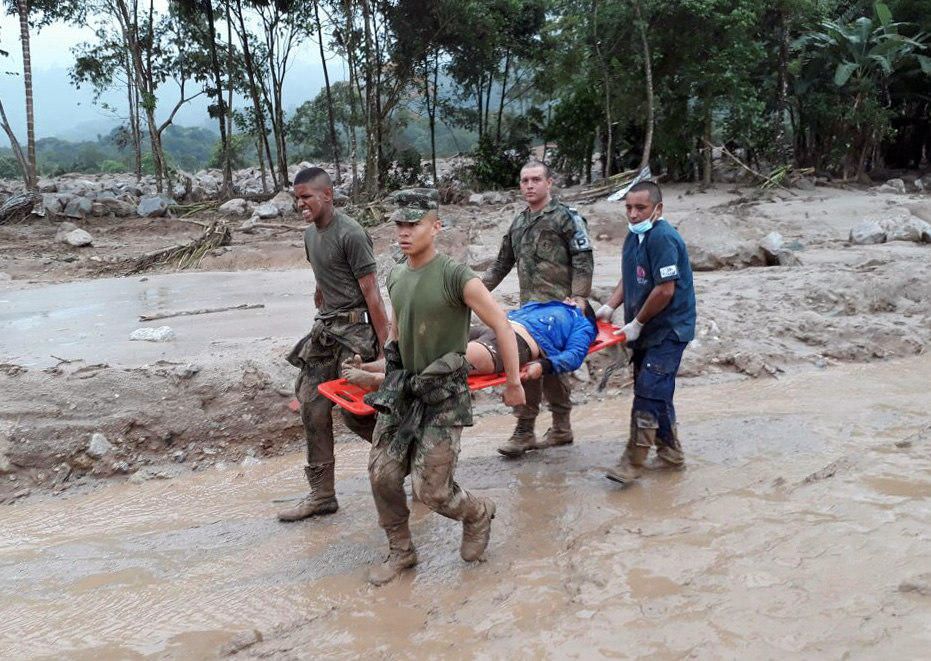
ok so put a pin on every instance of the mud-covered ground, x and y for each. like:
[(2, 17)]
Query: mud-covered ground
[(797, 530)]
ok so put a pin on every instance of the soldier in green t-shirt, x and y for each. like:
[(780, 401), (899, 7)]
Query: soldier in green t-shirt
[(424, 401), (350, 320)]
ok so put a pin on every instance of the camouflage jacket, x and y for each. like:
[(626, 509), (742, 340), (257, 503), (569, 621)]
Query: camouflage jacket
[(439, 396), (552, 251)]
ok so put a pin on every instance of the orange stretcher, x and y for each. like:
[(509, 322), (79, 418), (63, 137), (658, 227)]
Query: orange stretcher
[(349, 396)]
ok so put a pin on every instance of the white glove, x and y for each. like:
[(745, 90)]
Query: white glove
[(604, 313), (631, 331)]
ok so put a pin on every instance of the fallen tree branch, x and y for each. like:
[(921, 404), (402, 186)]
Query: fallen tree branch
[(188, 313), (188, 254), (766, 180)]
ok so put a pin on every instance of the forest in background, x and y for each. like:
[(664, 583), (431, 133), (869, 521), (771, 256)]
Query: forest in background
[(843, 87)]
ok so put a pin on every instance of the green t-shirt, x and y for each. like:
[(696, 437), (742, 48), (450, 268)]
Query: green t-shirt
[(430, 310), (339, 254)]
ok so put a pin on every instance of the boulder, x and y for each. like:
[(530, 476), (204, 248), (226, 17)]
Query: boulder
[(906, 228), (266, 211), (284, 202), (476, 199), (78, 238), (78, 207), (424, 198), (52, 204), (893, 186), (726, 255), (771, 245), (115, 206), (235, 207), (340, 199), (496, 197), (866, 233), (787, 258), (152, 206), (920, 185), (98, 446)]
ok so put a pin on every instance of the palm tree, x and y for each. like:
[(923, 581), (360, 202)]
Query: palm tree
[(22, 7), (862, 57)]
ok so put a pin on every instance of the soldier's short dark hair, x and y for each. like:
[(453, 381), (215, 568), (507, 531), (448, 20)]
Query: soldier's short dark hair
[(313, 176), (656, 195), (534, 163)]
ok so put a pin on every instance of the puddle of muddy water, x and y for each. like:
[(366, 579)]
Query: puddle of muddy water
[(788, 535)]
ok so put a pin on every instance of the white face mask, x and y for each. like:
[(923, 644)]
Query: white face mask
[(643, 226)]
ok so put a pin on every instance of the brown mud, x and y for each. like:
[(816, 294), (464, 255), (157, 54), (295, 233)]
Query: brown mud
[(799, 529)]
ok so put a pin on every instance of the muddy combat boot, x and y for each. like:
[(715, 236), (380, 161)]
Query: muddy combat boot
[(559, 434), (321, 499), (635, 454), (522, 440), (669, 452), (401, 555), (475, 534)]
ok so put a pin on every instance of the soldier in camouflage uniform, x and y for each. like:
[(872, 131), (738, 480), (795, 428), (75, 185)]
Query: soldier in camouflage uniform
[(351, 320), (424, 401), (550, 246)]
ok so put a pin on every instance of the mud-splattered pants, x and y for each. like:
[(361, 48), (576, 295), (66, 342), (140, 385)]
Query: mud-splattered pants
[(655, 370), (431, 462), (555, 387)]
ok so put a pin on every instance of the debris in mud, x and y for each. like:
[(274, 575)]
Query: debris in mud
[(842, 464), (160, 334), (188, 254), (11, 369), (188, 313)]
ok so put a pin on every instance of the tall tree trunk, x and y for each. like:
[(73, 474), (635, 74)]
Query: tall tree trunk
[(258, 151), (132, 97), (229, 73), (504, 86), (648, 77), (606, 80), (431, 72), (353, 91), (29, 174), (254, 90), (480, 96), (371, 151), (334, 139), (708, 155), (784, 142), (14, 144), (226, 189)]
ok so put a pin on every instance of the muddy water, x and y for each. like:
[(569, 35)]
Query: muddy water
[(800, 529)]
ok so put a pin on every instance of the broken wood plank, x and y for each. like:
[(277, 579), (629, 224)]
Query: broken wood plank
[(189, 313)]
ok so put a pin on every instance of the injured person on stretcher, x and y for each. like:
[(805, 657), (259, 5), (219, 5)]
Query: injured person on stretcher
[(552, 338)]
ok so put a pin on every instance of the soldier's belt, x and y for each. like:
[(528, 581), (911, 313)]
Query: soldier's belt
[(353, 316)]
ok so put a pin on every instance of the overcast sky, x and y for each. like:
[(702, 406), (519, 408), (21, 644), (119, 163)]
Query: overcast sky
[(66, 112)]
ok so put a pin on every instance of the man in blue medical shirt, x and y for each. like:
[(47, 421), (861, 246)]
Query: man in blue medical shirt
[(659, 312)]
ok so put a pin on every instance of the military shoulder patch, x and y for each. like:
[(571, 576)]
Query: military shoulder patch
[(580, 240)]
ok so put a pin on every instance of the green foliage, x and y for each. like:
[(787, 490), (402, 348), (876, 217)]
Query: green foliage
[(9, 168), (498, 165)]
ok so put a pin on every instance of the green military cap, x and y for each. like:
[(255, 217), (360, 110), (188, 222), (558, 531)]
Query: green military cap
[(409, 215)]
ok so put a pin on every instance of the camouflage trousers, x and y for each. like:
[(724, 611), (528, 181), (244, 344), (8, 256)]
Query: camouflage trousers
[(320, 357), (431, 462), (555, 387)]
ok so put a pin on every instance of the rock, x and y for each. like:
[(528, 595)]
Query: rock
[(234, 207), (476, 199), (152, 206), (787, 258), (52, 204), (920, 185), (116, 206), (98, 446), (78, 207), (340, 199), (496, 197), (63, 230), (284, 202), (150, 473), (248, 226), (893, 186), (771, 244), (906, 227), (266, 211), (424, 198), (77, 238), (160, 334), (866, 233), (726, 256)]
